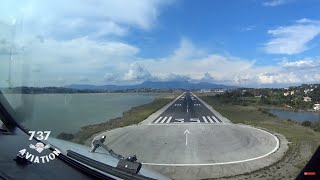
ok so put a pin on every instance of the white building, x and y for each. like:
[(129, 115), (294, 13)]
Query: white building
[(306, 91), (307, 99), (316, 107), (286, 93)]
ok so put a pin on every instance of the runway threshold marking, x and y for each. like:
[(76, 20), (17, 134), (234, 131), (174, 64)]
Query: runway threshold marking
[(158, 120), (211, 121), (168, 121), (163, 120), (215, 119), (205, 120)]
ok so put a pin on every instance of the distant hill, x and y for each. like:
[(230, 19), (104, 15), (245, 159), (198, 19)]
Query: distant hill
[(155, 85)]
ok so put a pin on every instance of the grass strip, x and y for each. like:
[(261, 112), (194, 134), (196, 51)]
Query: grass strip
[(303, 140)]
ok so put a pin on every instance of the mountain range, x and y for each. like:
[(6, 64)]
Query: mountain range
[(154, 85)]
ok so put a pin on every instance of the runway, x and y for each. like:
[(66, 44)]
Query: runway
[(187, 109), (187, 137)]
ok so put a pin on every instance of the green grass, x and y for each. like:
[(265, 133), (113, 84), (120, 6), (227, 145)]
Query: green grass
[(133, 116), (303, 140), (256, 116)]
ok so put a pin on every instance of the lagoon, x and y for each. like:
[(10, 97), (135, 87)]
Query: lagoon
[(298, 116), (69, 112)]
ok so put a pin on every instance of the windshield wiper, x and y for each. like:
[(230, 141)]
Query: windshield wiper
[(100, 142), (128, 164), (114, 171)]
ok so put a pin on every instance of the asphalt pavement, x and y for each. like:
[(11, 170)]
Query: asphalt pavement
[(188, 139), (187, 109)]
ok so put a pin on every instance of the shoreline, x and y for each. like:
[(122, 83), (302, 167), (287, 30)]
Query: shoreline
[(288, 109), (130, 117)]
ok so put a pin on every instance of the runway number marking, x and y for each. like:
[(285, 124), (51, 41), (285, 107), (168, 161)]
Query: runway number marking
[(195, 120), (181, 120)]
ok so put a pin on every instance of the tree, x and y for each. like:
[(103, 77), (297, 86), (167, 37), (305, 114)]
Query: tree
[(315, 95)]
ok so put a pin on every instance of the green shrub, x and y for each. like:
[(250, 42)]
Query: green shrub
[(306, 123)]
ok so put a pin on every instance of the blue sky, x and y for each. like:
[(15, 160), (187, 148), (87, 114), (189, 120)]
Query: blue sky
[(255, 43)]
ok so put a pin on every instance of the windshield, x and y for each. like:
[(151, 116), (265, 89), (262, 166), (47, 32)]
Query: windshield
[(195, 90)]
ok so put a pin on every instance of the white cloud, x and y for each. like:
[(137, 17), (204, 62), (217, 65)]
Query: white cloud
[(57, 42), (302, 64), (207, 77), (187, 50), (52, 62), (137, 73), (292, 39), (70, 58), (274, 2), (278, 78), (247, 28), (82, 18)]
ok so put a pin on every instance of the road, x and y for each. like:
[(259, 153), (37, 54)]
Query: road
[(188, 139)]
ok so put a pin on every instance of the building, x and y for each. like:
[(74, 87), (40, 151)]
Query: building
[(316, 107), (292, 92), (307, 99), (286, 93), (306, 91)]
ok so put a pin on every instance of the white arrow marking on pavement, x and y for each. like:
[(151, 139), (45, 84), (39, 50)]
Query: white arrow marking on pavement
[(186, 132)]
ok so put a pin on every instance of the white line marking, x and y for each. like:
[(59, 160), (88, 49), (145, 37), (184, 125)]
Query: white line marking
[(163, 120), (181, 120), (215, 119), (168, 121), (186, 132), (194, 120), (184, 123), (211, 108), (211, 121), (205, 120), (229, 162), (158, 120)]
